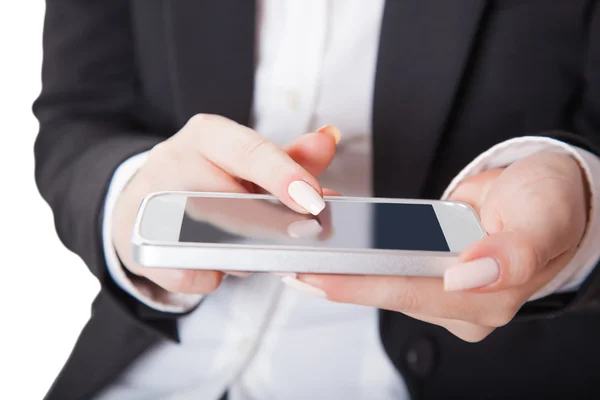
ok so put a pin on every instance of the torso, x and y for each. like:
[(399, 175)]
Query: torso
[(253, 336)]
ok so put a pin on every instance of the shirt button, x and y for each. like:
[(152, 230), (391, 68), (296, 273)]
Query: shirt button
[(421, 357), (293, 99)]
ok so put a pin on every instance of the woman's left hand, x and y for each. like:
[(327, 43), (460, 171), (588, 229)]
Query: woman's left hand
[(535, 212)]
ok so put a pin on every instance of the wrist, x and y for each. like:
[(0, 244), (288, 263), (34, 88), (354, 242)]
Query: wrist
[(123, 219)]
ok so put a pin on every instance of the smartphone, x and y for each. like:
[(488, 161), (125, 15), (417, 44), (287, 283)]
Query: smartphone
[(257, 233)]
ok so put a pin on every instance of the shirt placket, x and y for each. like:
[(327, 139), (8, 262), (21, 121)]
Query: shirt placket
[(295, 70), (292, 88)]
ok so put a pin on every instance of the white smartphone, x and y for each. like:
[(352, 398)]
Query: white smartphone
[(257, 233)]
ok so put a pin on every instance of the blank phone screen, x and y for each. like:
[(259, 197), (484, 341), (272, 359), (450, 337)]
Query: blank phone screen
[(343, 224)]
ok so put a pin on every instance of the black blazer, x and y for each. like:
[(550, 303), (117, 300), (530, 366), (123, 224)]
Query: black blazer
[(453, 79)]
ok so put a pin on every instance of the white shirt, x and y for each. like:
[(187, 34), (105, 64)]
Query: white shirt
[(256, 337)]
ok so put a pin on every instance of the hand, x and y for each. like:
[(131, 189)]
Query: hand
[(535, 213), (214, 154)]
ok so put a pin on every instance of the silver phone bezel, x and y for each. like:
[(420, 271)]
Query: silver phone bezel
[(460, 229)]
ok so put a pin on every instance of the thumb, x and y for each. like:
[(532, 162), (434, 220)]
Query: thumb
[(532, 216), (500, 261), (315, 151)]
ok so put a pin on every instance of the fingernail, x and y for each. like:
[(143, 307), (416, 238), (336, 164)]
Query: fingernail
[(472, 274), (304, 228), (333, 131), (303, 287), (306, 196)]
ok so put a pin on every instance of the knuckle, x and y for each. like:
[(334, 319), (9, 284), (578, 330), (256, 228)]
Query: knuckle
[(164, 152), (254, 146), (158, 151), (193, 132), (196, 120)]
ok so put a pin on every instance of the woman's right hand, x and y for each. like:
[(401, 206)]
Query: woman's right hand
[(215, 154)]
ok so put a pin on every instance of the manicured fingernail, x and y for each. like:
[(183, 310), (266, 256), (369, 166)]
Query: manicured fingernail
[(472, 274), (304, 228), (306, 196), (289, 274), (333, 131), (303, 287)]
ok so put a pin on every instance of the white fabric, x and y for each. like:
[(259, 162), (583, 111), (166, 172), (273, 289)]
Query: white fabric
[(254, 336)]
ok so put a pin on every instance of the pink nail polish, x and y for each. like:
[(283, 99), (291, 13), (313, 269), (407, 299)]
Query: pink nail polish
[(303, 287), (472, 274), (333, 131), (306, 196)]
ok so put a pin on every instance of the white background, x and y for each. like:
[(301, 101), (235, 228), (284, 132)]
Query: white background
[(46, 291)]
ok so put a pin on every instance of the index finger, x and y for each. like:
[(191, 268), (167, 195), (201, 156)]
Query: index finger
[(242, 152)]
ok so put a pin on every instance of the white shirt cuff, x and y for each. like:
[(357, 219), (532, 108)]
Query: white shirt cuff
[(506, 153), (145, 292)]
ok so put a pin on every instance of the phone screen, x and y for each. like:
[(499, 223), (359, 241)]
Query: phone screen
[(343, 224)]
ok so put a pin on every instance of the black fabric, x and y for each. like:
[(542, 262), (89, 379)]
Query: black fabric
[(452, 80)]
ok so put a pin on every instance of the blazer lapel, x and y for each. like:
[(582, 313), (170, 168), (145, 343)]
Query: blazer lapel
[(424, 49), (211, 57)]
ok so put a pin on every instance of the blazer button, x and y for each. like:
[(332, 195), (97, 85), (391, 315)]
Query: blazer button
[(421, 357)]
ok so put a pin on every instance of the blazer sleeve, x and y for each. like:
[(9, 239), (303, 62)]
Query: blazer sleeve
[(87, 125), (585, 133)]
